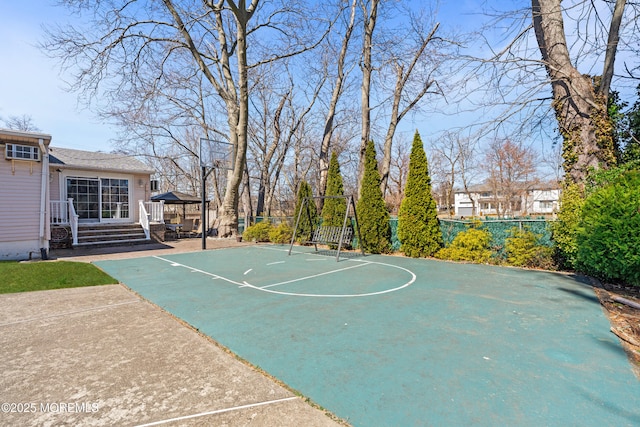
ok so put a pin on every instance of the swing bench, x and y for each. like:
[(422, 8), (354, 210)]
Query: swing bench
[(331, 235)]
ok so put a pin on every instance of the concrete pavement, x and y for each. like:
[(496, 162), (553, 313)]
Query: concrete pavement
[(103, 356)]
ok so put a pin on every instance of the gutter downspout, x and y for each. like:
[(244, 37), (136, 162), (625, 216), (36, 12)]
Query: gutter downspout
[(44, 235)]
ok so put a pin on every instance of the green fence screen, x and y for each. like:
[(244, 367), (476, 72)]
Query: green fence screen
[(500, 229)]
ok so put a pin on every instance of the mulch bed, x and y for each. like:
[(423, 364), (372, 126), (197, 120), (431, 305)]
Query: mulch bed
[(625, 319)]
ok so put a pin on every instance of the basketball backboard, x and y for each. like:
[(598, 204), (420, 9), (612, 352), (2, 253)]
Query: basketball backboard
[(216, 154)]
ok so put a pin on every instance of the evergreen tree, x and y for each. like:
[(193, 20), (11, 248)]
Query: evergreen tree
[(373, 216), (631, 133), (418, 227), (309, 216), (334, 210)]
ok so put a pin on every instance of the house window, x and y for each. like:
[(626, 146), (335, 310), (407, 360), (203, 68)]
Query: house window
[(22, 152), (485, 206), (545, 204), (485, 194)]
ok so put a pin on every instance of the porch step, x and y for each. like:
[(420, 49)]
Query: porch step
[(92, 235)]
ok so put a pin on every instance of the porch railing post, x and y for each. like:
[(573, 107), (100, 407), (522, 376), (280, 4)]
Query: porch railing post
[(144, 219), (73, 221)]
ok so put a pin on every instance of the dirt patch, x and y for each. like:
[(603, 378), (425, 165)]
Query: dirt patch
[(625, 320)]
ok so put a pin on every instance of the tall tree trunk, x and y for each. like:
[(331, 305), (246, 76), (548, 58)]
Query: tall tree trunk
[(581, 113), (228, 212), (325, 148), (612, 47), (385, 167), (370, 17), (246, 198)]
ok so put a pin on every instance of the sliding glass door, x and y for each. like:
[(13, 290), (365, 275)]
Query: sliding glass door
[(99, 199), (86, 198)]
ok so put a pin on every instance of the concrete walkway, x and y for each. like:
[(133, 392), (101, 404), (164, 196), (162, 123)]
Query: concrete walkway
[(102, 356)]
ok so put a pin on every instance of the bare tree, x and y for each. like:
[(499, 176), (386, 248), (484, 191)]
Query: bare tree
[(338, 87), (444, 164), (132, 44), (578, 42), (511, 171), (22, 123), (277, 119), (403, 100), (580, 102), (370, 14), (468, 164)]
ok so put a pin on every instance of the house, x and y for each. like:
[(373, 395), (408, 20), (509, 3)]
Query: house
[(530, 199), (49, 193)]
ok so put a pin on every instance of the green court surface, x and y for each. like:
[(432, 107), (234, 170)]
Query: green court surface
[(394, 341)]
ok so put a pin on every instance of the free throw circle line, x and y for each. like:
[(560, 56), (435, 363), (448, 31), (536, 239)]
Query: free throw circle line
[(297, 294)]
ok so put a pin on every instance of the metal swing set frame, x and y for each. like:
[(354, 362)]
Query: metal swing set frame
[(326, 234)]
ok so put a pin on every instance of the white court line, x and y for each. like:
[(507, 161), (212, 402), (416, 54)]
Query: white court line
[(313, 276), (264, 289), (247, 272), (287, 250), (219, 411), (360, 261), (277, 262), (51, 316), (215, 276)]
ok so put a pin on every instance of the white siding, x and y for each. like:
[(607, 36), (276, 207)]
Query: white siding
[(20, 183)]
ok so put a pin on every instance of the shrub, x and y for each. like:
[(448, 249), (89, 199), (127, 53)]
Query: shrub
[(565, 228), (373, 217), (608, 236), (523, 249), (418, 227), (258, 232), (470, 245), (281, 234)]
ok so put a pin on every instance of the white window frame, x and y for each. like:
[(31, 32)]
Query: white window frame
[(22, 152)]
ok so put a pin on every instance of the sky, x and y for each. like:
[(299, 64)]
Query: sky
[(31, 84)]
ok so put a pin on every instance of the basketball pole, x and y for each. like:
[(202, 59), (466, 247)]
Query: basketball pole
[(203, 193)]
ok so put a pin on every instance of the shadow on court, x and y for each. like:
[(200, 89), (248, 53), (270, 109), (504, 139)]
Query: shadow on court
[(390, 341)]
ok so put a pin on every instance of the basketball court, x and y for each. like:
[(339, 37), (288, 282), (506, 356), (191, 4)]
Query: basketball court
[(381, 340)]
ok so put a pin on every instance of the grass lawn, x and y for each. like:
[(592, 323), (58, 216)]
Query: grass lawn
[(39, 276)]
